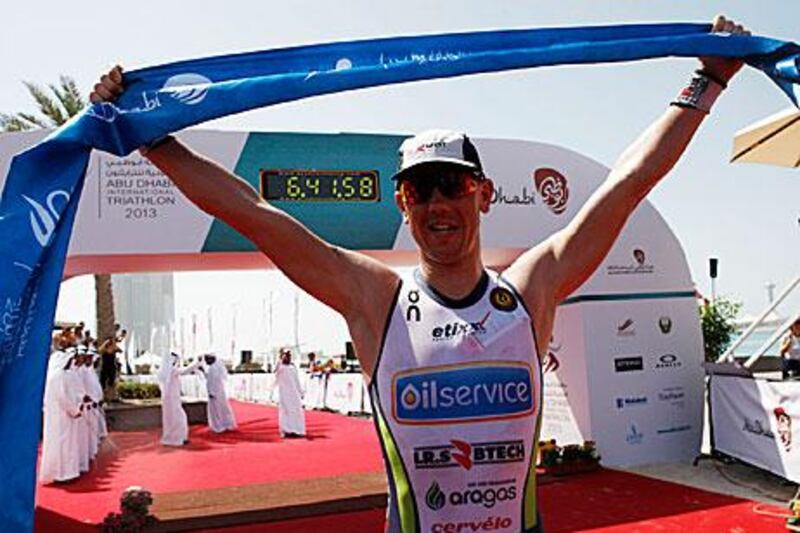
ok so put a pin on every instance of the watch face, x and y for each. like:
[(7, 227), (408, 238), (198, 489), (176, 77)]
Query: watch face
[(299, 185)]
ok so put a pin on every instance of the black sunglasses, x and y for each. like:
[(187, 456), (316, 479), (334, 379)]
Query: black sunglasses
[(453, 183)]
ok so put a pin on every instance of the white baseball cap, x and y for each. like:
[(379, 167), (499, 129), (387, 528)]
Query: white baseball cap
[(437, 146)]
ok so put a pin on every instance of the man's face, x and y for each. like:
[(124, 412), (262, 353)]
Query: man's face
[(795, 329), (210, 359), (445, 220), (68, 339)]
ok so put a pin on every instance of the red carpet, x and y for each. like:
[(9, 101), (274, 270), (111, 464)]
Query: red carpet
[(255, 453), (604, 501)]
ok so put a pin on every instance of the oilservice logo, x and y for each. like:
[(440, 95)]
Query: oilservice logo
[(466, 455), (553, 188), (462, 393), (43, 221)]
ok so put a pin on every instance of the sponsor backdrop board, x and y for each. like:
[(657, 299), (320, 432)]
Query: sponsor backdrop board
[(132, 219), (756, 421)]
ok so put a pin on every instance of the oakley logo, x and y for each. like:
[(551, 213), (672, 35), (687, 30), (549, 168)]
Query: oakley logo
[(189, 89), (43, 221)]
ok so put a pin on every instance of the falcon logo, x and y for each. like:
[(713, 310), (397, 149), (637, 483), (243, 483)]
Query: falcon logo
[(502, 299), (43, 221), (189, 89)]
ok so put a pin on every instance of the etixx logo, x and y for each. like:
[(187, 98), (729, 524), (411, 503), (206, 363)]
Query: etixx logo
[(552, 187), (43, 221), (462, 393)]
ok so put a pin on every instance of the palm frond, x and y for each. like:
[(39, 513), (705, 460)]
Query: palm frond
[(14, 123), (69, 96), (47, 106)]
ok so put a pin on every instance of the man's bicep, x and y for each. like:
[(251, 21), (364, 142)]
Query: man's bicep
[(327, 272)]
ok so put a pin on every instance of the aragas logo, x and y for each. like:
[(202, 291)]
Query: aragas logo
[(485, 496), (553, 188), (462, 393), (466, 455)]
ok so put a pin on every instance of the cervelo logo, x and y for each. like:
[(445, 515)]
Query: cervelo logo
[(466, 393), (493, 523), (43, 221), (189, 88), (466, 455)]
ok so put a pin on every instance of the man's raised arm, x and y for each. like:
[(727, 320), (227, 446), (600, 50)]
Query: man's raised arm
[(358, 287), (563, 262)]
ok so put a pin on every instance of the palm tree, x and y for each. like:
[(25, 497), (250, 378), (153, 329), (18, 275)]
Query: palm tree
[(55, 107)]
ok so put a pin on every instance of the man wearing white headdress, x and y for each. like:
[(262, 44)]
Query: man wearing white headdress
[(291, 417), (174, 424), (88, 424), (220, 414), (62, 416)]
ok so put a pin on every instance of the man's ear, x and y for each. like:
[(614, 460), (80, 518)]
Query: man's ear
[(486, 193), (400, 200)]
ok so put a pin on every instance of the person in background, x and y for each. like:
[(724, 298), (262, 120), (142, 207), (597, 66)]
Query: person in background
[(220, 414), (62, 416), (174, 424), (790, 351), (291, 417)]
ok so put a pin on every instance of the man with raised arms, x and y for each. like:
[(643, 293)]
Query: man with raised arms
[(435, 388)]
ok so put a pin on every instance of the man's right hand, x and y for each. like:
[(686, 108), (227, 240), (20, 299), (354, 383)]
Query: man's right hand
[(109, 87)]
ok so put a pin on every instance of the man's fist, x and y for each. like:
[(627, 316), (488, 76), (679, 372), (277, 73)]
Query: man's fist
[(723, 68), (109, 87)]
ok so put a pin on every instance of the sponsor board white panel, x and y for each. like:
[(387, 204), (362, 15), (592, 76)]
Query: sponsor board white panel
[(644, 361), (344, 393), (566, 413), (757, 421)]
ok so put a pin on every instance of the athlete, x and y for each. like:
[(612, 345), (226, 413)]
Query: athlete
[(452, 353)]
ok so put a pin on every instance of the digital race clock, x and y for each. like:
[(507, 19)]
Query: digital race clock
[(300, 185)]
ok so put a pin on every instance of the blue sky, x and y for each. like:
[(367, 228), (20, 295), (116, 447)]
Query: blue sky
[(746, 215)]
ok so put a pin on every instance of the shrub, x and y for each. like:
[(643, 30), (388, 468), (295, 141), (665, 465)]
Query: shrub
[(718, 328), (138, 391)]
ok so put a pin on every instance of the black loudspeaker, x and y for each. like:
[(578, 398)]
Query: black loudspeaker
[(247, 357), (713, 262), (349, 352)]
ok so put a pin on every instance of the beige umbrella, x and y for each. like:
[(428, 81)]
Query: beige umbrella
[(773, 141)]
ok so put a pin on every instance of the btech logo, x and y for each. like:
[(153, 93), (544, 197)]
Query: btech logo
[(466, 455), (463, 393)]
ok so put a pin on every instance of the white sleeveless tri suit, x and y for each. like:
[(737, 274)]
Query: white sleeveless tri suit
[(456, 394)]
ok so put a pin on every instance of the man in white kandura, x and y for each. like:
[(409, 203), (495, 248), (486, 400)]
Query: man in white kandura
[(220, 414), (291, 416), (174, 424), (62, 415)]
